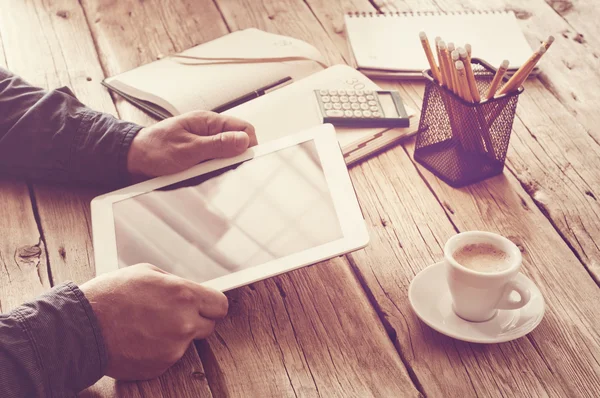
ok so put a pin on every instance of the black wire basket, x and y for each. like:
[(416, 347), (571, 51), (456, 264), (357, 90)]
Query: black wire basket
[(462, 142)]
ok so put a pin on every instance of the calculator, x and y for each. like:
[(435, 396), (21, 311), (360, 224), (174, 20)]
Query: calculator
[(362, 108)]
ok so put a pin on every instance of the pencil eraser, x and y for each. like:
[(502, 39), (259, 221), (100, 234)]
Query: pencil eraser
[(422, 35), (504, 64), (451, 46), (468, 48), (462, 52), (550, 40), (455, 55), (459, 65), (442, 45), (437, 38)]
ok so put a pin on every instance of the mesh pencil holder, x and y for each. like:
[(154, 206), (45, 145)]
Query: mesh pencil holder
[(461, 142)]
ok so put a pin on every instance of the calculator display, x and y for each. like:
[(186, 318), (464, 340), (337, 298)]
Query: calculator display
[(388, 106)]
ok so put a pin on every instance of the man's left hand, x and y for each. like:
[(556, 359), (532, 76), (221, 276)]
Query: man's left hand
[(177, 143)]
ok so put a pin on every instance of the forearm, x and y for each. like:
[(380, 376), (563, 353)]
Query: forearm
[(51, 347), (50, 135)]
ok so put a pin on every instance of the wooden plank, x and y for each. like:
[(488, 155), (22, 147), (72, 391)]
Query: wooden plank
[(307, 333), (23, 266), (272, 344), (581, 16), (502, 205), (551, 159), (409, 227), (288, 17), (130, 34), (59, 38), (571, 69)]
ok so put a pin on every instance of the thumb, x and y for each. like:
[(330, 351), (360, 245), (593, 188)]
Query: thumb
[(222, 145)]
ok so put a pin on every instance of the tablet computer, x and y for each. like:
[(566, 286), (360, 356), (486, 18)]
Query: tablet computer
[(226, 223)]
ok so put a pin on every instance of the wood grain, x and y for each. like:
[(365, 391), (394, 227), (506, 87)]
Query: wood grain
[(130, 34), (504, 190), (60, 40), (295, 335), (550, 159), (287, 17), (500, 204), (266, 346), (23, 266), (550, 156)]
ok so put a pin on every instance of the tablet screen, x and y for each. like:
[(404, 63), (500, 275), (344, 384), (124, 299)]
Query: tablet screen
[(228, 220)]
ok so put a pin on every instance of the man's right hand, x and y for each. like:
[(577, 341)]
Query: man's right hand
[(149, 318)]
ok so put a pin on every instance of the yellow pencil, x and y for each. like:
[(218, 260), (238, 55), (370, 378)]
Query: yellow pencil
[(519, 77), (548, 42), (439, 57), (497, 79), (463, 85), (432, 65), (470, 75), (445, 63), (455, 57)]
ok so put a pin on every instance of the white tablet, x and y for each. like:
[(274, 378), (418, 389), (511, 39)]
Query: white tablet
[(226, 223)]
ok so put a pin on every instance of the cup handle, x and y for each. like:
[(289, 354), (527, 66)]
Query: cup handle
[(506, 303)]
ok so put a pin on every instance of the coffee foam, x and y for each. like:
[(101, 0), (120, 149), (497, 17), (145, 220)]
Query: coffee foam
[(482, 257)]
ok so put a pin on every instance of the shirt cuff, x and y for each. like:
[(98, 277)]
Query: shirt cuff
[(66, 339), (100, 148)]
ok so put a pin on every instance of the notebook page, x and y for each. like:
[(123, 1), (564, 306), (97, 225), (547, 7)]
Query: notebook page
[(391, 41), (181, 85), (294, 108)]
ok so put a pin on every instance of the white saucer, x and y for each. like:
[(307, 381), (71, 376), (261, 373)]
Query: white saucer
[(430, 299)]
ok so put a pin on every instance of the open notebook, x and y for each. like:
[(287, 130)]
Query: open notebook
[(213, 74), (293, 108), (388, 45)]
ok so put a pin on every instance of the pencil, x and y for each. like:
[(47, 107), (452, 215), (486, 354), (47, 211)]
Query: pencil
[(463, 85), (451, 48), (548, 42), (470, 75), (455, 83), (519, 77), (427, 48), (497, 79), (445, 65), (468, 49), (439, 57)]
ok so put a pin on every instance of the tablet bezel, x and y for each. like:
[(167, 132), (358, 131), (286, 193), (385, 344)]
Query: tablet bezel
[(352, 223)]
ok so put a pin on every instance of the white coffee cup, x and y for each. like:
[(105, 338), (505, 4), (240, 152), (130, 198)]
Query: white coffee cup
[(477, 295)]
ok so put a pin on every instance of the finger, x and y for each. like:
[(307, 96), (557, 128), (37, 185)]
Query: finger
[(210, 303), (222, 123), (205, 328), (223, 145), (210, 123)]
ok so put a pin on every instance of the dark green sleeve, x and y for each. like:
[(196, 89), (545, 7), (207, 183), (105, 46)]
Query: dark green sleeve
[(51, 136)]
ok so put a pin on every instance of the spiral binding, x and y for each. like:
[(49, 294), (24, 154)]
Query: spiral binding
[(364, 14)]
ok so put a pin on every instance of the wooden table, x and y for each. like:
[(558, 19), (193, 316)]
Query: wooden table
[(344, 327)]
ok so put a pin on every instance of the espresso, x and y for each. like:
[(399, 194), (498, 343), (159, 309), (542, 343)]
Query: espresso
[(482, 257)]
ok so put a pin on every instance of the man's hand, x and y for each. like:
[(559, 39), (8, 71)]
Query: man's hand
[(180, 142), (149, 318)]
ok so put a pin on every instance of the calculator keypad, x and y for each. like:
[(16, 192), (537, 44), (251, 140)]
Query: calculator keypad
[(350, 104)]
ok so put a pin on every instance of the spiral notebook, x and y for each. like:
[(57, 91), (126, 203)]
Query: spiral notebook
[(387, 44)]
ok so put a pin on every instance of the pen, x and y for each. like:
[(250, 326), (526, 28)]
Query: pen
[(250, 96)]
